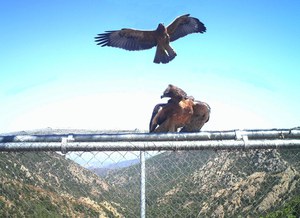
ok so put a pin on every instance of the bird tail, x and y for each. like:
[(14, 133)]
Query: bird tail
[(171, 53), (164, 56)]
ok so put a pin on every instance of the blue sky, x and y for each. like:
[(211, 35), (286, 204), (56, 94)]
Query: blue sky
[(52, 74)]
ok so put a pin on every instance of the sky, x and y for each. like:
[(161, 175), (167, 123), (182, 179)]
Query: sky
[(52, 73)]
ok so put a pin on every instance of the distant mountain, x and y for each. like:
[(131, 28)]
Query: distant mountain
[(248, 183), (45, 184), (102, 171)]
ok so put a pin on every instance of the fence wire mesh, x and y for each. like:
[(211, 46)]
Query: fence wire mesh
[(178, 183)]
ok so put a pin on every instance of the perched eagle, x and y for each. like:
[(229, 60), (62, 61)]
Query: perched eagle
[(133, 40), (181, 111)]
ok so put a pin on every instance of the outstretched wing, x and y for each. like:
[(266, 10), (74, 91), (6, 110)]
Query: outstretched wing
[(200, 117), (183, 26), (128, 39)]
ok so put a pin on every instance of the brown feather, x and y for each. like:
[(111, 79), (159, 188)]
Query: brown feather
[(156, 118), (173, 116), (200, 117), (128, 39), (183, 26)]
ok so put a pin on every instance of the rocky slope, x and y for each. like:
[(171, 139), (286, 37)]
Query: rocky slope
[(248, 183), (46, 185)]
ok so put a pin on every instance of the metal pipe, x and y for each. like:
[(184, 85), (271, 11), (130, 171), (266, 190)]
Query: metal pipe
[(143, 188), (152, 145), (145, 137)]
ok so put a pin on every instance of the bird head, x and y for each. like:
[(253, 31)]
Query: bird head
[(161, 28), (174, 92)]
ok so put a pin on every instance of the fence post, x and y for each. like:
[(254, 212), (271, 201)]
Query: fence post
[(143, 177)]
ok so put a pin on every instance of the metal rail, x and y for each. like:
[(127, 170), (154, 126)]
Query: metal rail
[(233, 139), (153, 146), (146, 137)]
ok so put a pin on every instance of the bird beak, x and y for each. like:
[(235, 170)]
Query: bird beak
[(162, 96)]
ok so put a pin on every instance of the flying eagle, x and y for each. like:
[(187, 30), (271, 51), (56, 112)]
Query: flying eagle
[(134, 40), (181, 111)]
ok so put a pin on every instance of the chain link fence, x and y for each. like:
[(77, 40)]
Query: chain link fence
[(56, 173)]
